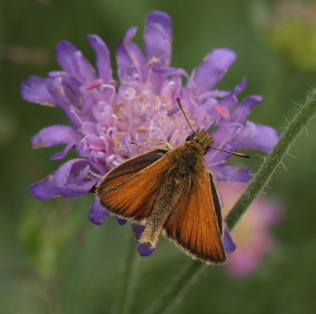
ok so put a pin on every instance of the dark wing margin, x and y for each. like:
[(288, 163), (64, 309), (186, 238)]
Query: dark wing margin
[(194, 224), (217, 205)]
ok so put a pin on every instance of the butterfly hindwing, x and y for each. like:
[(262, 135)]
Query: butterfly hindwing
[(196, 222), (135, 195)]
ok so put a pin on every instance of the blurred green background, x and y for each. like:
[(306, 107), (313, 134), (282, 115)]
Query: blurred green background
[(52, 259)]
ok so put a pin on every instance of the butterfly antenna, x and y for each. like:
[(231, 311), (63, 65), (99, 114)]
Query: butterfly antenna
[(233, 153), (181, 107)]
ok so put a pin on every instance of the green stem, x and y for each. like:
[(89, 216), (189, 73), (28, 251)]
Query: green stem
[(174, 293), (126, 294), (273, 160), (187, 277)]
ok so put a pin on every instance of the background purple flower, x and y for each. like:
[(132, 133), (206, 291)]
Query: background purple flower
[(107, 116), (252, 234)]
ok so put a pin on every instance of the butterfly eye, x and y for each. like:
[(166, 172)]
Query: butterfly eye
[(207, 149), (190, 137)]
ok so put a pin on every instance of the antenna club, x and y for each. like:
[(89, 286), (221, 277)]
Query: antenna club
[(233, 153)]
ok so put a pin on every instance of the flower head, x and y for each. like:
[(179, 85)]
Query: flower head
[(252, 235), (108, 116)]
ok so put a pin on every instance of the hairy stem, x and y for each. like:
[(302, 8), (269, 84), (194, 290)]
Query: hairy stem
[(273, 160)]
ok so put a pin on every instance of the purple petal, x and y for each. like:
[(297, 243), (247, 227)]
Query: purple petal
[(64, 152), (228, 242), (86, 72), (244, 108), (89, 107), (70, 181), (70, 82), (128, 53), (229, 102), (34, 90), (78, 189), (158, 37), (143, 249), (45, 189), (59, 91), (256, 136), (223, 135), (75, 116), (74, 63), (240, 87), (103, 60), (63, 173), (64, 54), (65, 89), (213, 68), (72, 172), (82, 149), (160, 77), (120, 221), (231, 173), (221, 93), (55, 135), (98, 214), (170, 71)]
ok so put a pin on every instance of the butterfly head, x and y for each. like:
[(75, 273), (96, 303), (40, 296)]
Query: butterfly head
[(202, 138)]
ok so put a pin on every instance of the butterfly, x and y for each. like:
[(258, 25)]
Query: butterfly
[(170, 190)]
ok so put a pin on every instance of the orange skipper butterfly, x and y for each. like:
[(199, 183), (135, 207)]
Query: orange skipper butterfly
[(170, 190)]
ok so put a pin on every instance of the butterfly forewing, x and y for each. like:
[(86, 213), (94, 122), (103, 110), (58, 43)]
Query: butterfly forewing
[(194, 223), (135, 196), (128, 169)]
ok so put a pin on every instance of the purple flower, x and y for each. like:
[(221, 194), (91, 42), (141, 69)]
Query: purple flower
[(108, 116)]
